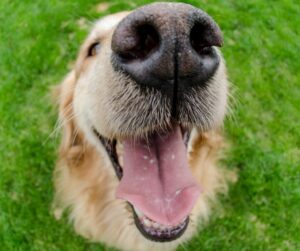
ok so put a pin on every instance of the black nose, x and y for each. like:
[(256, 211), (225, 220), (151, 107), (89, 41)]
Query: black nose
[(163, 44)]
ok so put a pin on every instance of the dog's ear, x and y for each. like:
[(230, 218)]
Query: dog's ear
[(71, 147)]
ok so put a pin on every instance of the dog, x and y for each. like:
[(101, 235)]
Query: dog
[(142, 114)]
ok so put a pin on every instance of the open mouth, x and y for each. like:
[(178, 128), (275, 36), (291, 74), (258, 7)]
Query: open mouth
[(156, 181)]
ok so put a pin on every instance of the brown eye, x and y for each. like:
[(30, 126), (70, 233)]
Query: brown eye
[(94, 49)]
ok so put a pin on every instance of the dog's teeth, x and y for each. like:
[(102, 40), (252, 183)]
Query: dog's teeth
[(153, 225), (147, 222)]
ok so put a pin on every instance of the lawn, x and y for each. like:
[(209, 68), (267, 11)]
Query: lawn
[(38, 42)]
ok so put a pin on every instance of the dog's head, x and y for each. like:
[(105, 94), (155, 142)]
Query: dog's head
[(146, 82)]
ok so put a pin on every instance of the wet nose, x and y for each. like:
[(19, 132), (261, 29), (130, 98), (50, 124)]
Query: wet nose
[(165, 44)]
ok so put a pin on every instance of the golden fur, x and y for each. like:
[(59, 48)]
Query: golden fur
[(85, 181)]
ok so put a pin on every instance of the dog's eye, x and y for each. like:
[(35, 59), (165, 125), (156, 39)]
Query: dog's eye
[(94, 49)]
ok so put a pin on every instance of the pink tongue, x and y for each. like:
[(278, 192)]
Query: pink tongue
[(157, 179)]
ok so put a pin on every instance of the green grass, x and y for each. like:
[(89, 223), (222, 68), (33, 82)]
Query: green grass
[(39, 39)]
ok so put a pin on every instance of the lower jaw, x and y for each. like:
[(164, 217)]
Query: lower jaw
[(159, 234), (167, 234)]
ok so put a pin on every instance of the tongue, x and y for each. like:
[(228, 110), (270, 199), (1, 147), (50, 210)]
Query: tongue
[(157, 179)]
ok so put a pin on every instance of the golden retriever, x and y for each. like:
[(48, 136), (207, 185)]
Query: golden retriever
[(141, 114)]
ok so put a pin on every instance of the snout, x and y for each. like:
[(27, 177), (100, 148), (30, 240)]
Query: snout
[(167, 46)]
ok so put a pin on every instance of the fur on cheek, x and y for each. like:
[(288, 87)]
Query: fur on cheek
[(116, 105)]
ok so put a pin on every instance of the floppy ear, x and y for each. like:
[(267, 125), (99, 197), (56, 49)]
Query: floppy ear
[(71, 147)]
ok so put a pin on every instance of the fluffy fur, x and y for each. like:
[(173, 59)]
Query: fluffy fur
[(85, 181)]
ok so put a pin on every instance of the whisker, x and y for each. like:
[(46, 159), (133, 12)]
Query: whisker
[(60, 124)]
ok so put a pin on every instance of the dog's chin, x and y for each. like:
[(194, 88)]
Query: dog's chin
[(152, 228)]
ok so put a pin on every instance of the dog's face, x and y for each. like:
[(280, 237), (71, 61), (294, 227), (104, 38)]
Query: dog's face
[(147, 83)]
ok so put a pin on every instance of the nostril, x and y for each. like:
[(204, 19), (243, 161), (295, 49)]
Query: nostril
[(199, 40), (146, 41)]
